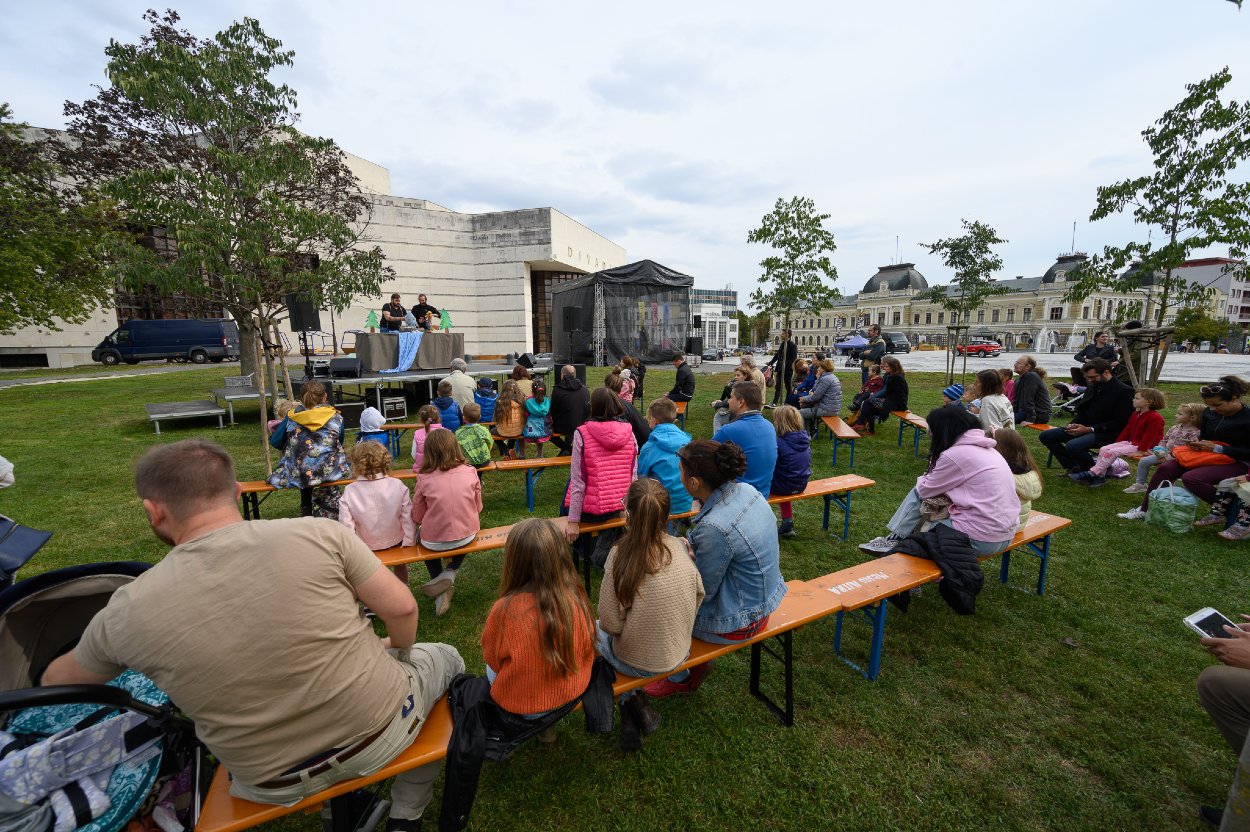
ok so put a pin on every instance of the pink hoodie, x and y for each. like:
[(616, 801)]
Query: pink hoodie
[(975, 476)]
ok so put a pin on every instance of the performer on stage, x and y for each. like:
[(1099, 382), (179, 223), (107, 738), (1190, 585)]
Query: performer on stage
[(393, 314), (427, 316)]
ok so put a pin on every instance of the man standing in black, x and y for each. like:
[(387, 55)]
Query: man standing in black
[(783, 364), (1101, 415), (422, 312), (393, 315)]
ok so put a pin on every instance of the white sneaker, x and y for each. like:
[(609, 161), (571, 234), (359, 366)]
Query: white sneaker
[(437, 586), (880, 545), (1136, 488), (1132, 514), (443, 602)]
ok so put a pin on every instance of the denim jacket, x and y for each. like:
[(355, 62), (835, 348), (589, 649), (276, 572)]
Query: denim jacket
[(734, 539)]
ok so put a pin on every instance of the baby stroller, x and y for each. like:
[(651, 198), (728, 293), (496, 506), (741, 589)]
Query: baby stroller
[(853, 358), (86, 757)]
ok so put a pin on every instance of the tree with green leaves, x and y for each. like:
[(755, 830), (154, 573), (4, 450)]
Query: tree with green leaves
[(795, 276), (1187, 204), (194, 137), (1194, 324), (972, 259), (51, 242)]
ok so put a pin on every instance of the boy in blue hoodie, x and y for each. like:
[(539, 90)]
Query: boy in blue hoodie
[(658, 457), (447, 407)]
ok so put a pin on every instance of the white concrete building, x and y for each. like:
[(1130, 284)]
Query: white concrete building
[(720, 331), (491, 272)]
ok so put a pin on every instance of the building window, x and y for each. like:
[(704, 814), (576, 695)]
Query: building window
[(928, 317), (915, 319), (1085, 313), (898, 318), (1011, 314), (1056, 313), (941, 315), (1028, 313), (1098, 309), (993, 316), (880, 319), (980, 316)]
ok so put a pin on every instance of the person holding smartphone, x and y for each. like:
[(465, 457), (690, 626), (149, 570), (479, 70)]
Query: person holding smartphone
[(1224, 691)]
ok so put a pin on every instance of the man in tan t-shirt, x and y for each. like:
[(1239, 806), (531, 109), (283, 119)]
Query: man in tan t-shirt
[(255, 632)]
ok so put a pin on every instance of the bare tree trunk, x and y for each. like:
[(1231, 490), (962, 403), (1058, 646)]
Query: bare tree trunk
[(264, 408), (286, 371), (249, 360)]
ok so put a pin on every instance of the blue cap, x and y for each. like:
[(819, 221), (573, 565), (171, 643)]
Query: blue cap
[(954, 392)]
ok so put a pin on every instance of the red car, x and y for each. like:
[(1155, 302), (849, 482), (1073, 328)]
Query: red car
[(980, 347)]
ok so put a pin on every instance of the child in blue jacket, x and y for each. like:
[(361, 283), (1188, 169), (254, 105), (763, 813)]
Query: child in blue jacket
[(658, 457), (448, 410), (794, 463), (484, 396)]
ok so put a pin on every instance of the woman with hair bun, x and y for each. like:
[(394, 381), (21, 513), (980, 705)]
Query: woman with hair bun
[(734, 545)]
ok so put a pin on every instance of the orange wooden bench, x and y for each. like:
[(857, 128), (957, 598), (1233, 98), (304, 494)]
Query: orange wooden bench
[(802, 604), (919, 426), (842, 434), (864, 588), (681, 413), (532, 468), (250, 492)]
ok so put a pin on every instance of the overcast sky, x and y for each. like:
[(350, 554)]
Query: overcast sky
[(672, 128)]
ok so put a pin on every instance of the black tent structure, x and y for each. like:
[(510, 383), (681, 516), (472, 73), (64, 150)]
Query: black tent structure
[(641, 309)]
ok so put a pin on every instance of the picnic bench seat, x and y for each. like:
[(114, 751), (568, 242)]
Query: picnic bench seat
[(250, 491), (919, 426), (1050, 455), (842, 434), (183, 410), (222, 812), (532, 468), (681, 413), (864, 588)]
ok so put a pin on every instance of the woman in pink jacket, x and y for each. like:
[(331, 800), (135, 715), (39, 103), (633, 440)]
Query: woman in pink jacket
[(965, 468), (446, 504)]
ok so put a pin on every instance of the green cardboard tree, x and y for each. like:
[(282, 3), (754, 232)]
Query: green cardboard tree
[(372, 320), (444, 320)]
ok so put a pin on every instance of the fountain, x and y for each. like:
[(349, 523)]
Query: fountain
[(1045, 340), (1073, 343)]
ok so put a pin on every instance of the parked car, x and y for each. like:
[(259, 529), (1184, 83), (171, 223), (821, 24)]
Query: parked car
[(712, 355), (197, 340), (896, 342), (980, 346)]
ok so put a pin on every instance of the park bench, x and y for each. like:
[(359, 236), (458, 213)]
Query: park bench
[(1050, 455), (681, 413), (250, 492), (222, 812), (183, 410), (864, 588), (842, 434), (917, 423), (533, 468)]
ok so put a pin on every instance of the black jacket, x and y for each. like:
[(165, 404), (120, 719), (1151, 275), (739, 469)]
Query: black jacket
[(783, 359), (683, 390), (896, 393), (570, 406), (1032, 402), (642, 431), (1094, 351), (1105, 407), (484, 731), (1233, 432), (951, 550)]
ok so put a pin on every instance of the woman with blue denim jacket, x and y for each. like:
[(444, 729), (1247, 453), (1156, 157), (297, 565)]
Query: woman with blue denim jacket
[(734, 544)]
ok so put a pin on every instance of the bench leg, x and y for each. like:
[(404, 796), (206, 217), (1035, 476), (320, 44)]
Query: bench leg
[(852, 444), (844, 503), (901, 424), (916, 439), (251, 507), (531, 476), (220, 424), (875, 616), (230, 407), (1050, 458), (158, 426), (786, 657), (835, 450)]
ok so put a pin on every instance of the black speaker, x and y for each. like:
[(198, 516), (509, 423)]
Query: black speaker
[(694, 345), (345, 367), (571, 319), (580, 369), (579, 349), (698, 322), (527, 360), (305, 317)]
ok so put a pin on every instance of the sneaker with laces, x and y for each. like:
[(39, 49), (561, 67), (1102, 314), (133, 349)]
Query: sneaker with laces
[(880, 545), (1237, 532), (1132, 514), (435, 587), (1091, 481), (1136, 488), (443, 602)]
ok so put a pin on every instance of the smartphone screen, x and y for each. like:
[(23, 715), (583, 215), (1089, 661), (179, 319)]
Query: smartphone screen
[(1213, 625)]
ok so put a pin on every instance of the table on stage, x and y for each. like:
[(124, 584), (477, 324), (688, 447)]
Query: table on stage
[(379, 351)]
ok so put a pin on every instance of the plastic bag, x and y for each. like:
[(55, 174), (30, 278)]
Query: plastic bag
[(1173, 507)]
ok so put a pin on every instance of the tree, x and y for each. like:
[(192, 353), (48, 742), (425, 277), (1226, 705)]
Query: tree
[(193, 137), (752, 329), (1193, 324), (1187, 200), (794, 277), (50, 241), (973, 261)]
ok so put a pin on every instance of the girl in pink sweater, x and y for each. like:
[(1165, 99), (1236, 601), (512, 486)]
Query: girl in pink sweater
[(377, 506), (430, 420), (964, 466), (1143, 431), (447, 504)]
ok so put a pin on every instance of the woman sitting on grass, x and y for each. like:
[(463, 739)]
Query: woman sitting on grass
[(539, 638), (734, 542), (965, 468), (1024, 470), (794, 463), (447, 505), (647, 602)]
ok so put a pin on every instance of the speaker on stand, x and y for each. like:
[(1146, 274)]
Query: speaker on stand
[(305, 318)]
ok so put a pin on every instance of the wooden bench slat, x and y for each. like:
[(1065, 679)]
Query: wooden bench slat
[(839, 428)]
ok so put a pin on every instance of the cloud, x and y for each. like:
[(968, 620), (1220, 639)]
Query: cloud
[(654, 83)]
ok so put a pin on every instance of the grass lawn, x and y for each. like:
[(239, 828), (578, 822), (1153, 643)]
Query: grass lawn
[(1071, 711)]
